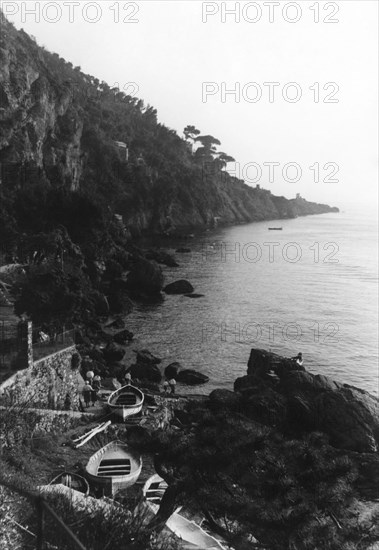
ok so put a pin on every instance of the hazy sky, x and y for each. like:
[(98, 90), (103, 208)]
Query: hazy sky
[(174, 47)]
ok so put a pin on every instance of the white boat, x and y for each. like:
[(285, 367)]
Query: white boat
[(126, 401), (115, 466), (192, 535)]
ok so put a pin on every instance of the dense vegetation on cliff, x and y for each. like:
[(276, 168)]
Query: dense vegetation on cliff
[(63, 179), (59, 128)]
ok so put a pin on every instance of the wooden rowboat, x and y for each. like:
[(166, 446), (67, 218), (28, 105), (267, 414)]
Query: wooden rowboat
[(125, 402), (72, 481), (153, 492), (115, 466), (192, 535)]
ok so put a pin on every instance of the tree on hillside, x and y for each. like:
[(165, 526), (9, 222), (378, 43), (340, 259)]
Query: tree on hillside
[(224, 158), (190, 132), (208, 142), (208, 150)]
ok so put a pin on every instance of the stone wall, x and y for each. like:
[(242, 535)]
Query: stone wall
[(56, 421), (51, 383)]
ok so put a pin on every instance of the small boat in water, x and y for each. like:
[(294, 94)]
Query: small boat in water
[(115, 466), (72, 481), (126, 401), (192, 535), (275, 228)]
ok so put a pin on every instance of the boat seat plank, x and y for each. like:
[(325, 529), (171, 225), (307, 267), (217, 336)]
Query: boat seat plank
[(123, 399), (115, 461), (113, 468), (154, 486)]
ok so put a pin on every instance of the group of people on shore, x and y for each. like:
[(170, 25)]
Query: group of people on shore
[(91, 388)]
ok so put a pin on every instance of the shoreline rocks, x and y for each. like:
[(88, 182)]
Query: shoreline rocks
[(179, 287), (145, 277), (280, 392), (191, 377)]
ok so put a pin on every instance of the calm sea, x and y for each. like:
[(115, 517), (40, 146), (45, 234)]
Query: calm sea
[(311, 287)]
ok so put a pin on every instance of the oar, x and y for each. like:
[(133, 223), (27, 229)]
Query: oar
[(94, 432), (87, 433)]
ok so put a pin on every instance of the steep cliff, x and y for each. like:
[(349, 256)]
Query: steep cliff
[(59, 127)]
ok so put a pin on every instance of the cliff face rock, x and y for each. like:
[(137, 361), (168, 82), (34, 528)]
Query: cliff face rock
[(60, 126), (39, 123), (279, 392)]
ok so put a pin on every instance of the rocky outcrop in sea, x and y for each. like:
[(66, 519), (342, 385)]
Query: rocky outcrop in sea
[(278, 392)]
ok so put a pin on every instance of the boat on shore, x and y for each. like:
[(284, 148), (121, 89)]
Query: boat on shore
[(153, 491), (275, 228), (126, 401), (192, 535), (115, 466), (72, 481)]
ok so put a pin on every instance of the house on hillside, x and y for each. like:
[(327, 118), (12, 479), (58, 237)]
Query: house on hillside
[(123, 150)]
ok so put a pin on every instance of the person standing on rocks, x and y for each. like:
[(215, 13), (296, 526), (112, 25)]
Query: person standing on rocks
[(94, 392), (87, 391), (298, 359), (172, 384), (90, 375), (165, 386), (96, 384)]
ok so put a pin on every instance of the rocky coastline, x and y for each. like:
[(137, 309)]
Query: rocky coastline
[(277, 414), (286, 460)]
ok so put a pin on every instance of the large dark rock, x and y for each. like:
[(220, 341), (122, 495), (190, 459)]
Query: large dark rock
[(161, 257), (146, 371), (179, 287), (351, 418), (145, 357), (267, 407), (191, 377), (262, 362), (123, 337), (296, 381), (113, 353), (301, 414), (171, 371), (145, 277), (278, 391)]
